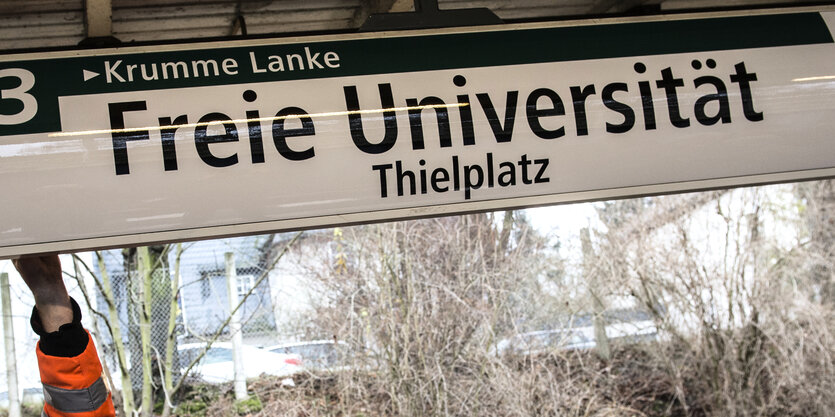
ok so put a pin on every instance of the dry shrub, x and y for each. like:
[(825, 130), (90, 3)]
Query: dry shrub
[(741, 282), (746, 320), (557, 384), (779, 368), (666, 378)]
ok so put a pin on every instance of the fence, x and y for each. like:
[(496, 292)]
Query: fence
[(201, 300)]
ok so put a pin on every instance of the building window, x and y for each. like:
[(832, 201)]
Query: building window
[(245, 283), (205, 285)]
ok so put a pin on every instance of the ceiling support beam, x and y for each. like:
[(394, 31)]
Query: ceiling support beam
[(98, 23), (400, 6), (239, 23), (426, 15), (98, 18), (369, 7)]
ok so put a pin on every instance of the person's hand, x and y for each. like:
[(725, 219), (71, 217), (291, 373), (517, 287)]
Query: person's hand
[(42, 274)]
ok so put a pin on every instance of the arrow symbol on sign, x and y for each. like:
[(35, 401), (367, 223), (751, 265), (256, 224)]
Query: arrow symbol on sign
[(89, 75)]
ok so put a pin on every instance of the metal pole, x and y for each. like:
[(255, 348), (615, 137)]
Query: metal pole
[(8, 338), (99, 18), (426, 6), (235, 327)]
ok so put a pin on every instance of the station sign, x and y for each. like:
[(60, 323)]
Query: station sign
[(140, 144)]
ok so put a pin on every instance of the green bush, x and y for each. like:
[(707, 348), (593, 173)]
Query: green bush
[(195, 402), (192, 408), (249, 405)]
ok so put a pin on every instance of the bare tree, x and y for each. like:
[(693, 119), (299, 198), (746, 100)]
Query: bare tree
[(148, 297), (427, 300), (723, 282)]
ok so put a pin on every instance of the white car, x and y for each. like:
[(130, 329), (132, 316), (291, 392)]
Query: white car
[(576, 338), (217, 365), (32, 395), (317, 354), (544, 340)]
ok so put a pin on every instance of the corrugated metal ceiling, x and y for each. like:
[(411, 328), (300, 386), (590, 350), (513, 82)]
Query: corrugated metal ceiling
[(49, 23)]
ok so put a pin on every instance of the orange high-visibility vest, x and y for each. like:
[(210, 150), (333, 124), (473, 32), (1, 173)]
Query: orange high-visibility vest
[(73, 387)]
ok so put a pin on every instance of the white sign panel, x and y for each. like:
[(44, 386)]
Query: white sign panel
[(136, 145)]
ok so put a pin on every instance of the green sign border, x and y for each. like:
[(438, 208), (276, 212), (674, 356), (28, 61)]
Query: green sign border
[(62, 76)]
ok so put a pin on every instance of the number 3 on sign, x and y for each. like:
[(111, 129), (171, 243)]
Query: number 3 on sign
[(30, 105)]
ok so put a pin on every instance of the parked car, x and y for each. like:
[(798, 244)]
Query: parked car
[(217, 364), (317, 354), (575, 338), (543, 340), (33, 395), (632, 331)]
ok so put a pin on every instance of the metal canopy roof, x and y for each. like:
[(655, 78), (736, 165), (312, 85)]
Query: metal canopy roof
[(26, 24)]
